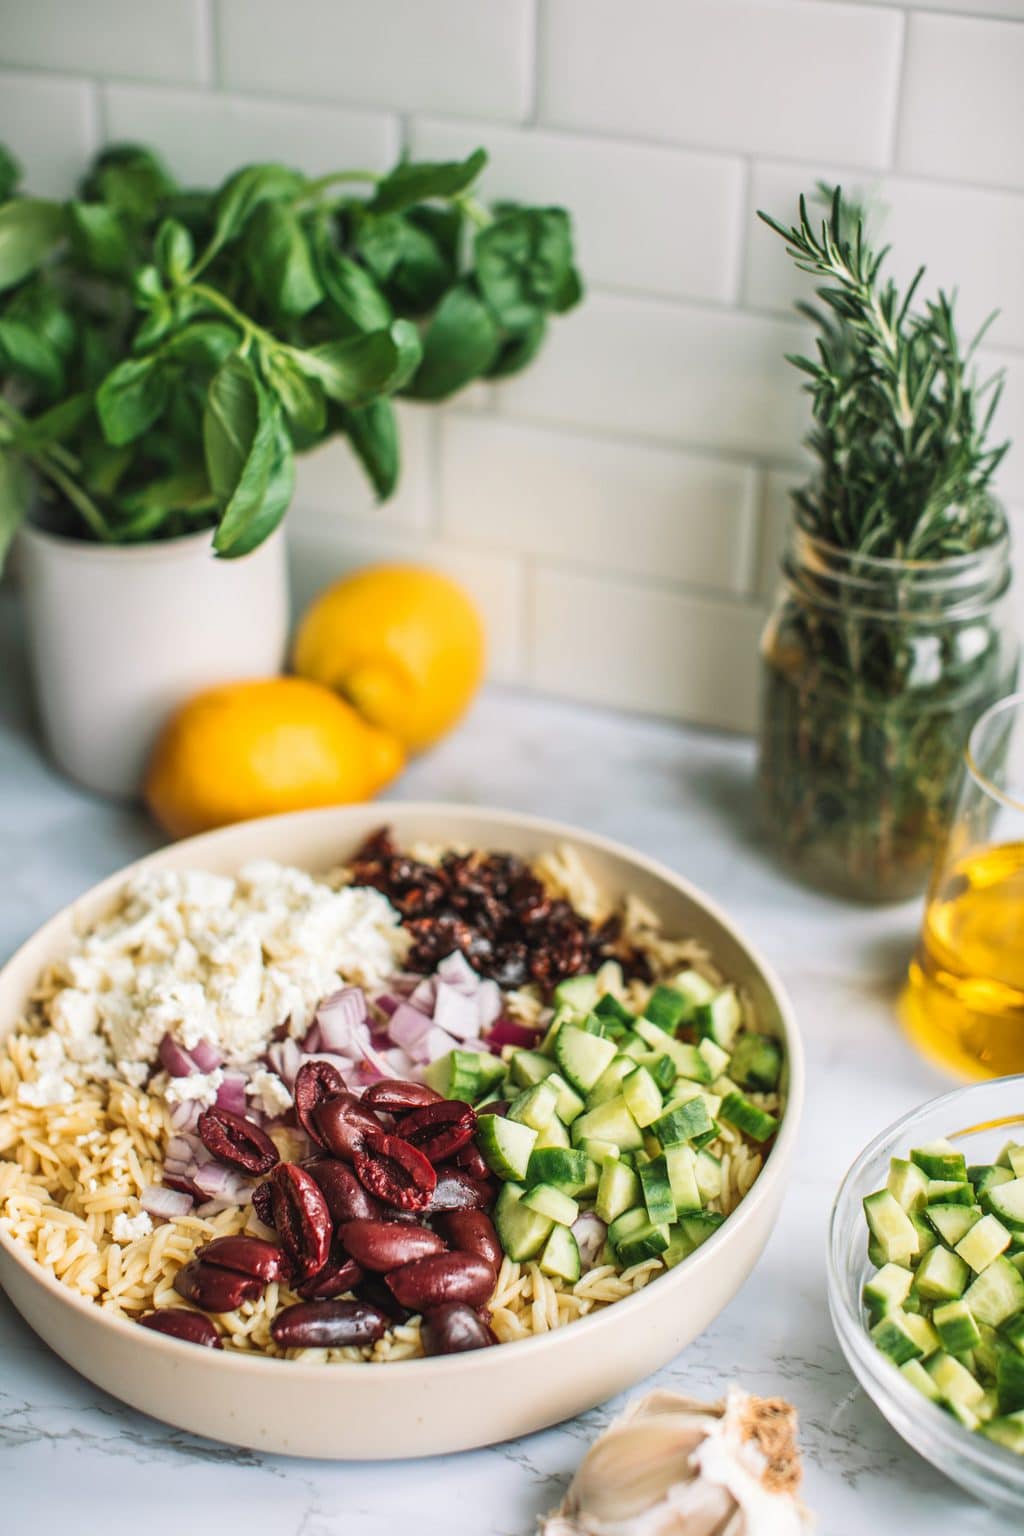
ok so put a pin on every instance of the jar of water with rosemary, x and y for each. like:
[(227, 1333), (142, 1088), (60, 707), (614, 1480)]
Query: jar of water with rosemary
[(891, 632)]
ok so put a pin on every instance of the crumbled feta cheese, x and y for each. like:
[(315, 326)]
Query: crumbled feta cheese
[(200, 1088), (127, 1228), (270, 1092), (50, 1088)]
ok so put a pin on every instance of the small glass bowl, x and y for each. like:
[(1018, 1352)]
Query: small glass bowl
[(979, 1119)]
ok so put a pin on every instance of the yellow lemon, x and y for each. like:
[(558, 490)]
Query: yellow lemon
[(256, 748), (403, 644)]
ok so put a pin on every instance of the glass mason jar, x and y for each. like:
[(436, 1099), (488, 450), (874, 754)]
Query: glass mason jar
[(874, 671)]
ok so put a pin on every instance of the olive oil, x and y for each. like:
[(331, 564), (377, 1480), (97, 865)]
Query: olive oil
[(964, 1002)]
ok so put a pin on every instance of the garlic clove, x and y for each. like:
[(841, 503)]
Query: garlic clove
[(635, 1464)]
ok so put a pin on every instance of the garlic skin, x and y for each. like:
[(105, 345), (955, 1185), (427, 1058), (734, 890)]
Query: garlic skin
[(673, 1466)]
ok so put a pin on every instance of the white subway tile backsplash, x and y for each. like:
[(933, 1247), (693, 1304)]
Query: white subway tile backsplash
[(330, 482), (765, 75), (205, 135), (49, 125), (630, 508), (970, 239), (320, 552), (637, 647), (1009, 421), (706, 378), (645, 217), (451, 56), (145, 39), (776, 511), (963, 100)]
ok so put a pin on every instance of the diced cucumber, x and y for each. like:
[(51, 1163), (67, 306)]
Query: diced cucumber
[(950, 1192), (682, 1124), (459, 1075), (952, 1222), (535, 1106), (748, 1117), (705, 1138), (699, 1226), (579, 993), (908, 1183), (963, 1415), (688, 1061), (1015, 1158), (940, 1160), (567, 1170), (598, 1150), (719, 1018), (679, 1248), (609, 1007), (1007, 1202), (755, 1063), (582, 1057), (926, 1235), (642, 1096), (956, 1327), (529, 1067), (985, 1175), (522, 1232), (716, 1058), (1010, 1381), (629, 1221), (554, 1134), (635, 1047), (554, 1203), (708, 1169), (663, 1070), (954, 1381), (618, 1190), (646, 1242), (561, 1256), (681, 1162), (1007, 1431), (891, 1227), (941, 1275), (694, 987), (1013, 1333), (997, 1293), (657, 1191), (505, 1145), (611, 1121), (985, 1241), (888, 1289), (568, 1105), (667, 1008), (987, 1350), (914, 1372), (922, 1332), (893, 1337)]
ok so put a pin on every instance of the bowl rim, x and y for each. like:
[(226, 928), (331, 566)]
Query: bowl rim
[(261, 1367), (873, 1369)]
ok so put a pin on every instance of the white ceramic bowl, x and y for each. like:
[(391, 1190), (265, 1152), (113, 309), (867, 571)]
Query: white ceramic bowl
[(417, 1407)]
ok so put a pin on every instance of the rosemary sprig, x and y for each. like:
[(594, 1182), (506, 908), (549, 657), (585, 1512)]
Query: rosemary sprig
[(900, 419)]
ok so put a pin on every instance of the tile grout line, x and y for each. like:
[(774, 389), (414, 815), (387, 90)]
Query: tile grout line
[(896, 131)]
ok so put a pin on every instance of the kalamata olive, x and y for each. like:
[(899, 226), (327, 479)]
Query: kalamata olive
[(247, 1256), (342, 1125), (383, 1245), (438, 1130), (498, 1107), (470, 1158), (235, 1140), (339, 1274), (263, 1202), (453, 1328), (456, 1190), (213, 1289), (346, 1198), (395, 1098), (177, 1323), (395, 1172), (442, 1278), (374, 1289), (315, 1083), (471, 1232), (302, 1219), (327, 1325)]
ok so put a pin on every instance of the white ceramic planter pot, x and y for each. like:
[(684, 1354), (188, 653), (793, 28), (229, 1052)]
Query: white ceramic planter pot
[(120, 635)]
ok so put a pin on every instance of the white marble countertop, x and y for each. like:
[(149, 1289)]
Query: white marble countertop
[(72, 1458)]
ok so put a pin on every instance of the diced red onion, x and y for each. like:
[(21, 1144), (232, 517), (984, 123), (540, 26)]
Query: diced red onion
[(408, 1025), (455, 1010), (285, 1058), (590, 1233), (456, 970), (222, 1183), (231, 1093), (166, 1204), (475, 1045), (508, 1032), (311, 1040), (206, 1056), (175, 1059), (185, 1116), (387, 1003), (423, 994), (432, 1046), (488, 1003), (340, 1018)]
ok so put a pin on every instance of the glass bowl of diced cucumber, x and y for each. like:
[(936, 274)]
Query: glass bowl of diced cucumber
[(926, 1283)]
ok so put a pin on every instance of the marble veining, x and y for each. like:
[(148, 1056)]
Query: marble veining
[(73, 1458)]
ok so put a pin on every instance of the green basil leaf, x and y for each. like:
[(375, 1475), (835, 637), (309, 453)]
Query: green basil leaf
[(243, 192), (353, 371), (131, 398), (174, 251), (350, 290), (98, 239), (279, 261), (132, 179), (29, 355), (518, 350), (60, 422), (373, 433), (154, 327), (301, 398), (148, 287), (276, 499), (462, 342), (10, 173), (203, 344), (444, 225), (413, 182), (96, 355), (103, 466), (15, 492), (36, 304), (184, 490), (569, 294), (240, 445), (29, 229), (522, 263), (406, 261)]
